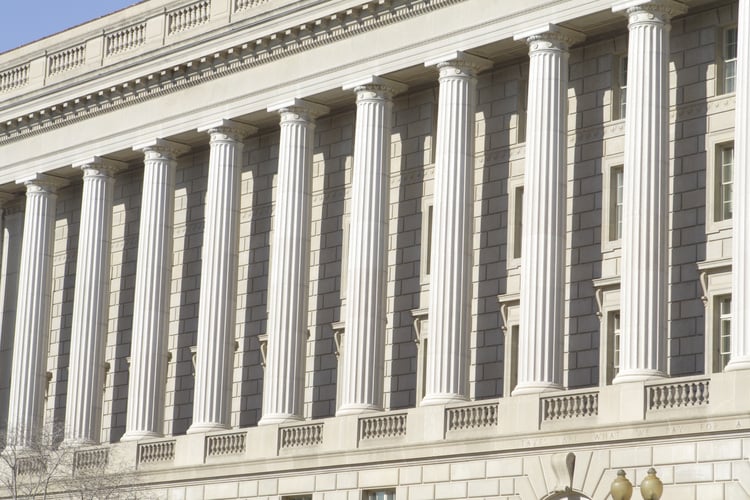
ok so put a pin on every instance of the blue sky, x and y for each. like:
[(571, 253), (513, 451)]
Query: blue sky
[(23, 21)]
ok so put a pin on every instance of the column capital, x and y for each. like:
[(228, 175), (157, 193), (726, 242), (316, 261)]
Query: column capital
[(299, 109), (648, 10), (43, 183), (548, 36), (460, 61), (98, 164), (156, 148), (228, 130), (376, 84)]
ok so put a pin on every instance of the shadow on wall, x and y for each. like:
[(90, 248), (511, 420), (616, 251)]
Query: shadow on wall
[(332, 153), (591, 85), (63, 287), (126, 217), (255, 236)]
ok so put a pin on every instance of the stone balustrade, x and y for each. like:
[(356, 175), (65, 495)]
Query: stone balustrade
[(91, 459), (156, 451), (471, 417), (586, 415), (681, 394), (225, 444), (383, 427), (574, 405), (125, 39)]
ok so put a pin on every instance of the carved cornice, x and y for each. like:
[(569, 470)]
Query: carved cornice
[(344, 24)]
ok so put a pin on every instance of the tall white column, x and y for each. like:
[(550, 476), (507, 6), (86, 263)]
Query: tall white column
[(10, 253), (447, 378), (740, 336), (540, 340), (364, 348), (31, 344), (88, 335), (284, 379), (148, 349), (643, 302), (218, 294)]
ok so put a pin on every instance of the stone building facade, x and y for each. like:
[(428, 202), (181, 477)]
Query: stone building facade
[(410, 249)]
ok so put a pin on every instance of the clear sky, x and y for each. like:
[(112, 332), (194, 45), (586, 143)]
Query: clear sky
[(23, 21)]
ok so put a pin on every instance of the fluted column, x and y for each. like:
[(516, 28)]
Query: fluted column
[(88, 336), (31, 344), (447, 378), (364, 349), (148, 349), (644, 280), (540, 340), (10, 252), (218, 293), (284, 380), (740, 335)]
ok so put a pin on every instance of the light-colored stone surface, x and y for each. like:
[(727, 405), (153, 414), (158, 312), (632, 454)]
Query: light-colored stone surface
[(244, 57)]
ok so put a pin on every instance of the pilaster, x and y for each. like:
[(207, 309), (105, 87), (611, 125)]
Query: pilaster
[(83, 407), (148, 351), (364, 349), (288, 284), (450, 282), (218, 293), (543, 257), (31, 343), (740, 334), (643, 311)]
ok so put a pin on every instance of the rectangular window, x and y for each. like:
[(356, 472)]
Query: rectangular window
[(425, 252), (298, 497), (613, 345), (729, 60), (428, 260), (380, 495), (615, 209), (722, 178), (518, 222), (725, 175), (622, 81), (725, 326)]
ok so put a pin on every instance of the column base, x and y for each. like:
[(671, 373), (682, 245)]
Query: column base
[(638, 375), (738, 363), (138, 435), (280, 418), (443, 399), (535, 388), (206, 427), (357, 409)]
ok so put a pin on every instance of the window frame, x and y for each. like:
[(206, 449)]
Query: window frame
[(724, 62), (425, 246), (719, 318), (715, 278), (515, 222), (372, 494), (716, 144), (619, 87), (609, 198), (510, 313), (607, 295), (421, 335)]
